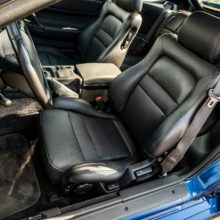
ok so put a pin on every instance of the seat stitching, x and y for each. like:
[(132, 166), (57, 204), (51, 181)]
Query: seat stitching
[(103, 30), (146, 93), (163, 89), (100, 41), (92, 39), (93, 141), (114, 17), (123, 138), (103, 41), (75, 135), (85, 126)]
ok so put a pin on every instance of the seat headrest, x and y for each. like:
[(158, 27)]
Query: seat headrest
[(201, 34), (130, 5)]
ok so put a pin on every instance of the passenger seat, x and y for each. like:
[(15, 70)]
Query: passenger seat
[(106, 40), (154, 104)]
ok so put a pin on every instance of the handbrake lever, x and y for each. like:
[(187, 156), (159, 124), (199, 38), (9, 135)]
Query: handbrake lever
[(60, 89)]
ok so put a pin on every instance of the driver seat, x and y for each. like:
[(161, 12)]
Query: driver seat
[(154, 103), (106, 40)]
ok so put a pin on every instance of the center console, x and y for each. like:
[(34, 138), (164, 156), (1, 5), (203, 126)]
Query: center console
[(96, 79), (89, 80), (66, 76), (63, 74)]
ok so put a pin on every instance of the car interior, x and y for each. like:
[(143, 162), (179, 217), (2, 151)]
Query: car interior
[(94, 96)]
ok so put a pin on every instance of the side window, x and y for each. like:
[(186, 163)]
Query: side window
[(211, 4)]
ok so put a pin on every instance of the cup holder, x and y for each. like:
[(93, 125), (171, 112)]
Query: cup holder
[(64, 74)]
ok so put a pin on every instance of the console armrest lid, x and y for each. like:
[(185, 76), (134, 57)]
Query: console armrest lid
[(95, 74)]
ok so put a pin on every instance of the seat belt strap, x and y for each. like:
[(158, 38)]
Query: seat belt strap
[(147, 37), (177, 154)]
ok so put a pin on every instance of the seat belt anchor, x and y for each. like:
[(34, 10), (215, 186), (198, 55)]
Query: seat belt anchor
[(214, 99)]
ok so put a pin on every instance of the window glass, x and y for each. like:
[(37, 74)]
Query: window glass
[(212, 4)]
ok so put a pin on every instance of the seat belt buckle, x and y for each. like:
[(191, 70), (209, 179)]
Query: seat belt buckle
[(172, 159), (100, 104), (214, 99), (98, 99)]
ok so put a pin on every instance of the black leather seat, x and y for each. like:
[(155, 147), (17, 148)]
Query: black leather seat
[(102, 41), (154, 103), (74, 133)]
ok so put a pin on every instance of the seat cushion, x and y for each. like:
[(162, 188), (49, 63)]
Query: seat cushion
[(71, 138), (50, 56)]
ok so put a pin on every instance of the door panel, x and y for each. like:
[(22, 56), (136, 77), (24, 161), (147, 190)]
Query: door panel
[(59, 25), (81, 6)]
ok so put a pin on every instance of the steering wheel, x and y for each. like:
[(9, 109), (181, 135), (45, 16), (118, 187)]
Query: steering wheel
[(30, 64)]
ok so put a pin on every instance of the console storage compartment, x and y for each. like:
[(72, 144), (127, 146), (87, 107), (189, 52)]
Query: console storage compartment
[(63, 74), (96, 79)]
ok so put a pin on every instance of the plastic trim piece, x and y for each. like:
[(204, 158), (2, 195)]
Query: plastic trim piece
[(122, 208)]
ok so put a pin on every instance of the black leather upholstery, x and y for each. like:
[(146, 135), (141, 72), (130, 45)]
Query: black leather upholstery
[(102, 40), (130, 5), (165, 98), (74, 133), (155, 105), (203, 46)]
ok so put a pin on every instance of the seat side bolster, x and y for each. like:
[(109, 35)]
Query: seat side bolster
[(79, 106), (94, 172), (130, 78), (114, 53)]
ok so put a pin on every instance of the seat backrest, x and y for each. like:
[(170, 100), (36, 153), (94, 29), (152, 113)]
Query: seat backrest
[(158, 97), (109, 37)]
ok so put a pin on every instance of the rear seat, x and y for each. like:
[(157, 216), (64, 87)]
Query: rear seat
[(172, 24)]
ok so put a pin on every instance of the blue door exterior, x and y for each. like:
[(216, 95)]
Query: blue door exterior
[(202, 201)]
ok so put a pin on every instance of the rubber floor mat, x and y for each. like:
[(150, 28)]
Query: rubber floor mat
[(19, 188)]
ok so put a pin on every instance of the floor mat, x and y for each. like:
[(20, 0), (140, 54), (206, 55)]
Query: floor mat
[(19, 188), (21, 104), (25, 106)]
